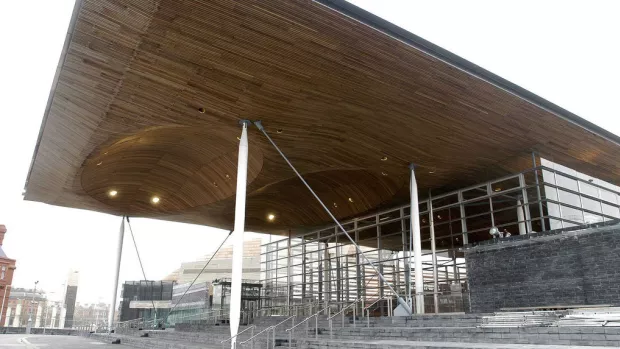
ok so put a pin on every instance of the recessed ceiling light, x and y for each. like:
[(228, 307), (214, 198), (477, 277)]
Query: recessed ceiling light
[(202, 110), (112, 193), (384, 173), (335, 205), (279, 130), (271, 217), (384, 158), (431, 171), (497, 189), (227, 176), (215, 184), (155, 199), (99, 163), (350, 199), (438, 216)]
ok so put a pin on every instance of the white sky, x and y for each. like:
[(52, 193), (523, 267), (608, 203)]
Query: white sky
[(565, 51)]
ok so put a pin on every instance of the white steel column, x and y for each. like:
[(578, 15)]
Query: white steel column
[(417, 244), (237, 236), (521, 218), (288, 275), (431, 224), (119, 253)]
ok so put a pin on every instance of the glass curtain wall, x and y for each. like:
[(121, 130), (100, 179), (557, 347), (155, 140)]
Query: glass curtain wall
[(323, 268)]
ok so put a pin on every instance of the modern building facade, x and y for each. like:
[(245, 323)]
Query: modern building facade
[(70, 296), (323, 266), (220, 265), (387, 163), (7, 268), (145, 299)]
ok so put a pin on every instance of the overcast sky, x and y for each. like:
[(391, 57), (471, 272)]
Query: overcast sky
[(564, 51)]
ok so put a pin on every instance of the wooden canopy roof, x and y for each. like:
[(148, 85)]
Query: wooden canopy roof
[(148, 95)]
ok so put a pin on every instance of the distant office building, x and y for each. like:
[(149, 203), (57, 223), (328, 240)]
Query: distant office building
[(23, 304), (94, 315), (139, 298), (70, 298), (7, 268), (221, 265)]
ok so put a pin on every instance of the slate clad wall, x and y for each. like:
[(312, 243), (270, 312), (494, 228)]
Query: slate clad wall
[(577, 267)]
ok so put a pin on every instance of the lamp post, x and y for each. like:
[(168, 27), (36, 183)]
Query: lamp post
[(29, 326)]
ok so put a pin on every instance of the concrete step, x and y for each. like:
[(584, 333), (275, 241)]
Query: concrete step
[(592, 336), (401, 344)]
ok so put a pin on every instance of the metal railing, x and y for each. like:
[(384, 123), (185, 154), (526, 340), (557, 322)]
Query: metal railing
[(341, 312), (367, 308), (252, 327), (306, 321), (266, 330), (286, 310)]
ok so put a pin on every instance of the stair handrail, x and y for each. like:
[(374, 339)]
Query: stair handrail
[(375, 302), (308, 318), (345, 308), (252, 327), (267, 329)]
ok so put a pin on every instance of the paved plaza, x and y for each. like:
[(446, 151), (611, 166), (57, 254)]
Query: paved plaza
[(51, 342)]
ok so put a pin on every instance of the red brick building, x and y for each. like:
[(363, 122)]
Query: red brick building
[(7, 268)]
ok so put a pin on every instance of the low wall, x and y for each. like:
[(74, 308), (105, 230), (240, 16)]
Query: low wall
[(579, 266), (39, 330)]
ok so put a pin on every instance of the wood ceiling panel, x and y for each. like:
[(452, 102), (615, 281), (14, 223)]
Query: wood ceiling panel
[(335, 94)]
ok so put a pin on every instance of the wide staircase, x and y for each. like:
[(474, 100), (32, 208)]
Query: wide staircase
[(426, 331)]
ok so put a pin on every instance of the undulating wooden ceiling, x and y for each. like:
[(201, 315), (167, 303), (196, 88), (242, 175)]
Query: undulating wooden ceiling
[(149, 93)]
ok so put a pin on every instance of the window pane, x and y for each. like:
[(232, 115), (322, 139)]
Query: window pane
[(611, 210), (591, 205), (566, 182), (572, 215), (569, 198), (588, 189)]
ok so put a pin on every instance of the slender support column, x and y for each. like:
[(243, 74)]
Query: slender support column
[(526, 204), (380, 257), (431, 225), (288, 274), (304, 270), (237, 236), (463, 220), (119, 253), (359, 279), (406, 255), (417, 244), (521, 218), (540, 204)]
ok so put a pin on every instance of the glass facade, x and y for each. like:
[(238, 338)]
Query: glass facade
[(323, 268), (144, 291)]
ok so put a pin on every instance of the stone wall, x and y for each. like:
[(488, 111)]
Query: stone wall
[(570, 267)]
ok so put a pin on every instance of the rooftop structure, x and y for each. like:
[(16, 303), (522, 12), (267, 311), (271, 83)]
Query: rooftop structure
[(413, 153), (142, 118)]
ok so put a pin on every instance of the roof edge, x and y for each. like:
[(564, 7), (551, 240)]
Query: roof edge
[(357, 13), (61, 62)]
